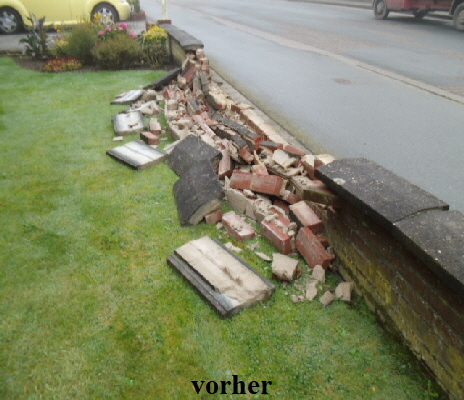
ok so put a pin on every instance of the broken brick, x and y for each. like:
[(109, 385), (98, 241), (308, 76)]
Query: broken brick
[(225, 165), (214, 217), (237, 227), (327, 298), (343, 291), (311, 249), (277, 233), (245, 155), (283, 206), (293, 151), (290, 198), (308, 163), (322, 159), (240, 180), (155, 126), (305, 216), (149, 138), (284, 268)]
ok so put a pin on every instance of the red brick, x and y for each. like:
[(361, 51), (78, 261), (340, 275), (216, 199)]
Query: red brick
[(271, 145), (237, 227), (240, 180), (305, 216), (245, 155), (267, 184), (311, 249), (293, 151), (149, 138), (290, 197), (282, 205), (277, 235), (214, 217)]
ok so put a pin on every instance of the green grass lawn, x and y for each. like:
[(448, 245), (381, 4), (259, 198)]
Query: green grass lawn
[(91, 310)]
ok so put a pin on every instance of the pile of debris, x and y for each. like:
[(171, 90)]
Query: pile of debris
[(224, 149)]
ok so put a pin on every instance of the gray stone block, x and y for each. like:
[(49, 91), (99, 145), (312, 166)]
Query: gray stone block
[(437, 239), (382, 194), (187, 41)]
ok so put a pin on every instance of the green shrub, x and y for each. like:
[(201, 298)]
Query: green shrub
[(80, 43), (154, 46), (36, 40), (118, 52)]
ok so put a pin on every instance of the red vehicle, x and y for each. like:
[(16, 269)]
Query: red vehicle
[(420, 8)]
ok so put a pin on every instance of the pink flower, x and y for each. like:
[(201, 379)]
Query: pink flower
[(108, 29), (132, 35), (124, 26), (101, 33)]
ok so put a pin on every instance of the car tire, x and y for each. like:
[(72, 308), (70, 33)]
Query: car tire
[(10, 21), (380, 9), (458, 18), (108, 13)]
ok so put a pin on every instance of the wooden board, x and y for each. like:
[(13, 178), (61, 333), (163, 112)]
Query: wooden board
[(137, 155), (222, 278)]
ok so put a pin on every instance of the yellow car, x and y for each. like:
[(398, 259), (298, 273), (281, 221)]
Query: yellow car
[(14, 14)]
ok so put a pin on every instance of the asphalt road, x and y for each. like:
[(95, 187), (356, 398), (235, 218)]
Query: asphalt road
[(344, 83)]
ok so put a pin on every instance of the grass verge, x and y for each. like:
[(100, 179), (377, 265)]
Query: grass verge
[(90, 309)]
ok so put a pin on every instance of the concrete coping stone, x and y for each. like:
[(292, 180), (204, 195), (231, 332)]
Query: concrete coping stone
[(419, 220), (437, 239), (187, 41), (382, 194)]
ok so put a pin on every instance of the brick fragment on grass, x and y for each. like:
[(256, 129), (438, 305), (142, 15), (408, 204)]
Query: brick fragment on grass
[(284, 268), (311, 249), (237, 227)]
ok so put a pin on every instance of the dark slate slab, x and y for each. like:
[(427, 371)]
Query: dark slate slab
[(192, 150), (437, 239), (165, 80), (383, 195), (246, 134), (187, 41), (198, 192)]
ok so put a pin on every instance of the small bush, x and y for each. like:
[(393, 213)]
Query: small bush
[(36, 40), (80, 43), (154, 46), (62, 64), (118, 52)]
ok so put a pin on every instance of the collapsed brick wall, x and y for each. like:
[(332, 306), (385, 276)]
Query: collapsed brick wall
[(407, 297), (412, 292)]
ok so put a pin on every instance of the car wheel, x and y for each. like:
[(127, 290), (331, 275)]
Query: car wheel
[(458, 17), (419, 14), (10, 21), (107, 13), (380, 9)]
